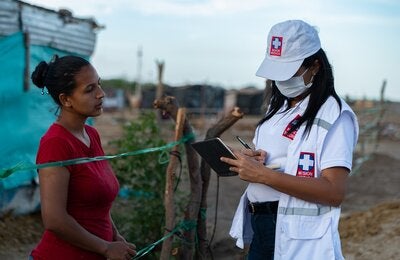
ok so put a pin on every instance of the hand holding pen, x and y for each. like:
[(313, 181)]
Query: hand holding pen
[(260, 155)]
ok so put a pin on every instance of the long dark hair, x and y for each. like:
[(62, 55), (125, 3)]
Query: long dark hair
[(321, 89)]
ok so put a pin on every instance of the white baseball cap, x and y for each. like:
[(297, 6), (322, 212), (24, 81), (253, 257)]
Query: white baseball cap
[(289, 43)]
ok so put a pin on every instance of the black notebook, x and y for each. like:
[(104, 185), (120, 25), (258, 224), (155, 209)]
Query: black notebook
[(211, 151)]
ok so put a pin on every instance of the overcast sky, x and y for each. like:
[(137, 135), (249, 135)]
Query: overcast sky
[(222, 42)]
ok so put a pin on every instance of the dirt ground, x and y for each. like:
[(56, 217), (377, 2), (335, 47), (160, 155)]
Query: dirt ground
[(369, 227)]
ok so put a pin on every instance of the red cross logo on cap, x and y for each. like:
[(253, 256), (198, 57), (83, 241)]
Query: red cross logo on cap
[(276, 46)]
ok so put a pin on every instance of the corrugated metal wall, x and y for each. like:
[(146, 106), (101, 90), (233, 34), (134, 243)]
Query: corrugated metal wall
[(8, 17), (50, 28)]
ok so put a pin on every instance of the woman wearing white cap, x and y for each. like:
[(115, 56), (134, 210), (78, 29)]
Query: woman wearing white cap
[(309, 133)]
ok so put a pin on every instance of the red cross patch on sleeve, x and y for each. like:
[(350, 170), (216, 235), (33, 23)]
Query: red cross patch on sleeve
[(306, 165)]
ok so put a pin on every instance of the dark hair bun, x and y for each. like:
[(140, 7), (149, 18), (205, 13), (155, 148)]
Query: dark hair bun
[(39, 74)]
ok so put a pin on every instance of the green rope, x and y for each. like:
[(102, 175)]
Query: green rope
[(24, 166), (185, 225), (163, 158)]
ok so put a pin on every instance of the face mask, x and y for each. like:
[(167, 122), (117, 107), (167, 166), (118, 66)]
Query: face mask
[(294, 86)]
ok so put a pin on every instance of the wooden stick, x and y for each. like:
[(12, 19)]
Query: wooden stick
[(169, 188)]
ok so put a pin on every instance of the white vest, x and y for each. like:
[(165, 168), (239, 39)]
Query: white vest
[(304, 230)]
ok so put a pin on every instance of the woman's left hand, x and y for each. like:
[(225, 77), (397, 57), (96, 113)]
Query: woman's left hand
[(248, 167), (120, 250)]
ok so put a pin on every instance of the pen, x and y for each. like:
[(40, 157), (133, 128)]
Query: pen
[(243, 142)]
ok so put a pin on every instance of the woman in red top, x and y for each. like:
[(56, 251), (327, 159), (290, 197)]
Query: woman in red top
[(76, 200)]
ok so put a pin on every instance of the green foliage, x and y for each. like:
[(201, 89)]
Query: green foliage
[(140, 216), (149, 86)]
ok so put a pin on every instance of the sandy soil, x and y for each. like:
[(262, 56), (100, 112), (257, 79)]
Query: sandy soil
[(369, 227)]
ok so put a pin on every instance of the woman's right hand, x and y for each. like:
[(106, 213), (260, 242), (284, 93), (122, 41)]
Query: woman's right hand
[(120, 250)]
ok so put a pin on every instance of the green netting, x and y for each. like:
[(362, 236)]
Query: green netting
[(24, 116)]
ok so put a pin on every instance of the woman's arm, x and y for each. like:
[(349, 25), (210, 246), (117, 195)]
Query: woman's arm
[(54, 193), (329, 189)]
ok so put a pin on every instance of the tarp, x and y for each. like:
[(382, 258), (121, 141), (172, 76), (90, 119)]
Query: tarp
[(12, 53)]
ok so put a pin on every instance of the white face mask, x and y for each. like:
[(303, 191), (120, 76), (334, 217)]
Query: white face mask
[(294, 86)]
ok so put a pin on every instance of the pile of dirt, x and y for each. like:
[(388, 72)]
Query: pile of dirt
[(370, 225), (372, 234)]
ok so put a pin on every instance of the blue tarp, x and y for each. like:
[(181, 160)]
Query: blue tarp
[(12, 53)]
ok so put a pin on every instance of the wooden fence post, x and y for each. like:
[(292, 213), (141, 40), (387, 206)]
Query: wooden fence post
[(169, 188)]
